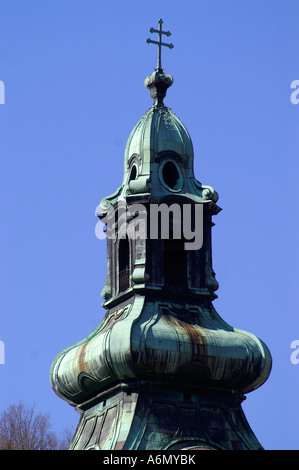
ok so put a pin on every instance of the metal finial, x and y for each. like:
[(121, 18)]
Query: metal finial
[(159, 43)]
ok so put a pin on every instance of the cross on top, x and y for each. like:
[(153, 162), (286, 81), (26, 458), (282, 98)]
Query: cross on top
[(159, 43)]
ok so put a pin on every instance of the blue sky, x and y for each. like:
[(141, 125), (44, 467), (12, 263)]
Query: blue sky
[(73, 74)]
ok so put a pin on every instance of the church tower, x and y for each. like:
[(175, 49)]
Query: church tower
[(162, 371)]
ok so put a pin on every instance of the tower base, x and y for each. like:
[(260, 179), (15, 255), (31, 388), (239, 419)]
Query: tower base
[(159, 416)]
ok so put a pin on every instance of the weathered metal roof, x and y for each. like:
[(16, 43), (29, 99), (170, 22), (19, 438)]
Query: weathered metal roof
[(162, 370), (151, 339)]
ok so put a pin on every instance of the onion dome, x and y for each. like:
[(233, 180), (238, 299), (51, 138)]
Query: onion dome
[(159, 131)]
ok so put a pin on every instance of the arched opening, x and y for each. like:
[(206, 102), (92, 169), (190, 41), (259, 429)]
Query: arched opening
[(175, 269), (170, 175), (124, 264), (133, 174)]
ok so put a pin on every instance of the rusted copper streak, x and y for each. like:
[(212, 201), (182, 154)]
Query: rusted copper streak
[(81, 357), (197, 340)]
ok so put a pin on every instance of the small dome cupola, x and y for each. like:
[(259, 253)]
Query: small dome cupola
[(159, 152)]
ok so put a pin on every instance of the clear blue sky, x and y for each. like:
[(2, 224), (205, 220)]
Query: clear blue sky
[(73, 74)]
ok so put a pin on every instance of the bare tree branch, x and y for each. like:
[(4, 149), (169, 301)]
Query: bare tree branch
[(22, 428)]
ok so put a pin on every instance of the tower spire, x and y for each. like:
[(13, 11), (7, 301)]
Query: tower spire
[(159, 43), (158, 81)]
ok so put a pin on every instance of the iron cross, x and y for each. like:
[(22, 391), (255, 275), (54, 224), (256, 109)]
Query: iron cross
[(159, 43)]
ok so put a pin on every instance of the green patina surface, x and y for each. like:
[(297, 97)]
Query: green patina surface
[(163, 370)]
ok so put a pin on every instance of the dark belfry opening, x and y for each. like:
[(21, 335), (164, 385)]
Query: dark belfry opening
[(175, 269), (170, 175), (133, 173), (124, 264)]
